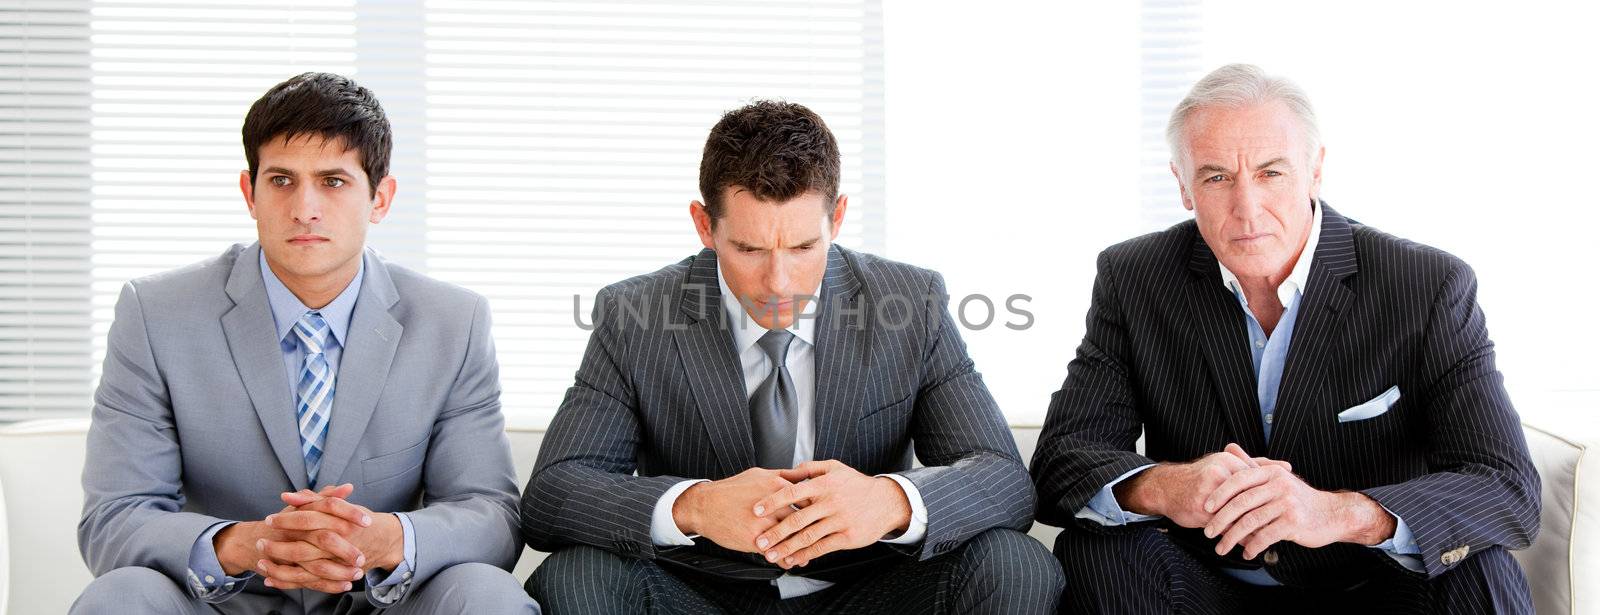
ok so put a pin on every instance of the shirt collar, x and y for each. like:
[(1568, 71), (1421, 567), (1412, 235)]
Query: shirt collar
[(746, 332), (287, 308), (1296, 283)]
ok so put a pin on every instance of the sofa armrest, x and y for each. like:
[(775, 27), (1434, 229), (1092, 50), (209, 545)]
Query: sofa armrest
[(1565, 556)]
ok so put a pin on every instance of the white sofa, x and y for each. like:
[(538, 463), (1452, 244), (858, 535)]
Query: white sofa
[(41, 572)]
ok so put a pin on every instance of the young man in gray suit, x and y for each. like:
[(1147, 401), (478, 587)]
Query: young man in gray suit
[(739, 437), (296, 425)]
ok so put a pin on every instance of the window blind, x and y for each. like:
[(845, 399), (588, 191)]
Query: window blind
[(45, 219), (564, 140), (1170, 40), (543, 150)]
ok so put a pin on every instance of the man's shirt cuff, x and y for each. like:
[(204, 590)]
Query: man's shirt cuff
[(395, 583), (1104, 509), (1402, 546), (206, 578), (664, 531), (917, 529)]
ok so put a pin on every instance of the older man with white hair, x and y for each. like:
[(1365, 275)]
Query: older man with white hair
[(1325, 429)]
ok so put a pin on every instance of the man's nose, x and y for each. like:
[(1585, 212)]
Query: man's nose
[(778, 275), (306, 207), (1248, 200)]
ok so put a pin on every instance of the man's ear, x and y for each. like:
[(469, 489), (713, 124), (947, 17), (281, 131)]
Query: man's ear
[(1183, 192), (702, 223), (248, 190), (382, 198), (1316, 174), (837, 221)]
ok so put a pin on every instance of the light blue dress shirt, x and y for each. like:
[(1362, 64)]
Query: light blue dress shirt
[(1268, 355), (206, 577)]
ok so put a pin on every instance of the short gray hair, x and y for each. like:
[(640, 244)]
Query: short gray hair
[(1242, 85)]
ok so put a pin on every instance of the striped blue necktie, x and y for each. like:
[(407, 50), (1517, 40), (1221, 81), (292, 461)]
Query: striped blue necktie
[(314, 393)]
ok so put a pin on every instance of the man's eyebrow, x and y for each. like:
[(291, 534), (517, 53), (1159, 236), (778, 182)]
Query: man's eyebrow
[(278, 170), (1207, 169), (1271, 163), (334, 171), (744, 246)]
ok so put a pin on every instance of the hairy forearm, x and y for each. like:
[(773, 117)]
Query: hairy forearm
[(1141, 492), (1365, 522), (897, 505), (683, 509)]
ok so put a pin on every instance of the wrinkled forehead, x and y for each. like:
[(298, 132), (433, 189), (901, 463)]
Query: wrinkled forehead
[(1262, 131)]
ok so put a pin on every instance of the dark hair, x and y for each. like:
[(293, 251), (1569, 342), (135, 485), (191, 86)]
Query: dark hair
[(327, 105), (776, 150)]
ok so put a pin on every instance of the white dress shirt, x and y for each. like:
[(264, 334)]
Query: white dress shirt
[(802, 365)]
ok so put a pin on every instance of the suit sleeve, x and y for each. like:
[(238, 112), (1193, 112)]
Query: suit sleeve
[(469, 511), (1093, 423), (583, 489), (133, 472), (1482, 490), (973, 478)]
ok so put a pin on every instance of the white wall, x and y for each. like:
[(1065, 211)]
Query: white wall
[(1006, 173)]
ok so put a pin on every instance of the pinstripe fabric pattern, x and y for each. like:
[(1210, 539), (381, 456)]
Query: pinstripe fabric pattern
[(660, 397), (985, 575), (1166, 352), (1142, 571)]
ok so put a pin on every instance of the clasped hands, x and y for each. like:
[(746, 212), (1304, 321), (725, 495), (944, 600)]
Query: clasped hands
[(319, 541), (792, 517), (1253, 502)]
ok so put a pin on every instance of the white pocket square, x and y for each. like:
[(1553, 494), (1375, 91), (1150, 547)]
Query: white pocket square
[(1376, 407)]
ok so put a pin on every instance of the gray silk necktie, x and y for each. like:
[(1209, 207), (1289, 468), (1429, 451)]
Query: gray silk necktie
[(773, 408)]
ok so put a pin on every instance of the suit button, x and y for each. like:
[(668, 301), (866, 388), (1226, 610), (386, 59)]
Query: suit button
[(1270, 558)]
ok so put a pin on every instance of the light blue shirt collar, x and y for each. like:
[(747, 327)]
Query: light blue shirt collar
[(287, 308)]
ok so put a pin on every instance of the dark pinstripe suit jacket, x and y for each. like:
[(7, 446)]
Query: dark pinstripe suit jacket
[(1166, 350), (661, 399)]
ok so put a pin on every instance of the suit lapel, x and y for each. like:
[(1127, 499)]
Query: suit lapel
[(842, 358), (1219, 330), (374, 335), (1315, 333), (252, 340), (705, 347)]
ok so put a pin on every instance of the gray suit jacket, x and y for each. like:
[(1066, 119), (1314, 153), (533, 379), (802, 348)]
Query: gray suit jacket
[(663, 395), (194, 422)]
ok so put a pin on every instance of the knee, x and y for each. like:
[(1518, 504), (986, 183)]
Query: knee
[(1006, 558), (1078, 548), (582, 570), (481, 588), (131, 590)]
